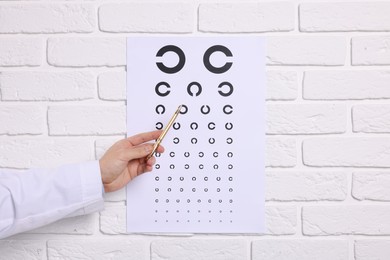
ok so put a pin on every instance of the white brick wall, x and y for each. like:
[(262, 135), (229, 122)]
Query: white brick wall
[(62, 100)]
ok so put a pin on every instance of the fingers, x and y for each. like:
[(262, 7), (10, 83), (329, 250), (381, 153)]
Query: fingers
[(144, 137)]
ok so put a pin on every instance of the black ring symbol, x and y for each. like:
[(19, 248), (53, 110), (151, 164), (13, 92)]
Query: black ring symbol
[(215, 166), (185, 109), (226, 111), (194, 126), (157, 154), (201, 154), (230, 154), (157, 166), (229, 126), (172, 166), (225, 94), (205, 112), (230, 178), (206, 178), (201, 166), (229, 140), (230, 166), (218, 178), (215, 154), (194, 84), (176, 140), (186, 154), (209, 52), (172, 154), (162, 109), (182, 178), (157, 178), (176, 126), (193, 178), (194, 140), (211, 140), (169, 178), (179, 53), (159, 126), (185, 167), (211, 126), (162, 94)]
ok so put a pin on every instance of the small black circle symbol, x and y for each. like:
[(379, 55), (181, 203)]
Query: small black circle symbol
[(230, 154), (181, 178), (157, 154), (205, 109), (230, 166), (201, 166), (156, 189), (176, 126), (180, 64), (176, 140), (189, 89), (157, 166), (186, 166), (169, 178), (215, 154), (157, 178), (211, 125), (230, 91), (172, 166), (159, 92), (209, 52), (194, 140), (229, 126), (218, 178), (184, 109), (186, 154), (229, 140), (160, 109), (194, 126), (193, 178), (215, 166), (228, 109), (172, 154), (211, 140), (230, 178), (206, 190), (206, 178), (159, 126), (201, 154)]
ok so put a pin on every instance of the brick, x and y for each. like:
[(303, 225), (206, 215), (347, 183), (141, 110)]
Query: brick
[(346, 220), (47, 86), (341, 17), (281, 152), (113, 220), (23, 249), (87, 120), (53, 18), (306, 186), (246, 17), (80, 225), (370, 249), (87, 52), (21, 51), (306, 119), (371, 186), (22, 119), (306, 50), (112, 86), (299, 249), (371, 50), (344, 85), (348, 152), (111, 248), (281, 220), (282, 85), (371, 118), (147, 17), (211, 249), (43, 152)]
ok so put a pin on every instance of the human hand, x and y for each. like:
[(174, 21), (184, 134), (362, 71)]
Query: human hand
[(126, 159)]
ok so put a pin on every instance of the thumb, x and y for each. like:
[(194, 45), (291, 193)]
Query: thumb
[(138, 151)]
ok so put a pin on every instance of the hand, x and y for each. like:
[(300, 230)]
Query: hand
[(126, 159)]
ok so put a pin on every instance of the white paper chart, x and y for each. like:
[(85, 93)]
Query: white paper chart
[(210, 179)]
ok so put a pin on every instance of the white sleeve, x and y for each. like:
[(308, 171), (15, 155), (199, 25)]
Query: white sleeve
[(38, 197)]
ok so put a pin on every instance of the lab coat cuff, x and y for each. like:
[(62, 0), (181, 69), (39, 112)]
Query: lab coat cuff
[(91, 181)]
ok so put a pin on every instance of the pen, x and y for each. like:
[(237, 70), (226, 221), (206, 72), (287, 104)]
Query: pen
[(161, 137)]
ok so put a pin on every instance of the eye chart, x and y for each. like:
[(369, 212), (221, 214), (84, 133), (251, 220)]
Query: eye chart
[(210, 179)]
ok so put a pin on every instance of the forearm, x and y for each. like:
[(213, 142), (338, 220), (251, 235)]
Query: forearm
[(38, 197)]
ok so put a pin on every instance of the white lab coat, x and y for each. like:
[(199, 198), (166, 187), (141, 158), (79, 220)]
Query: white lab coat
[(38, 197)]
